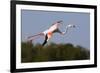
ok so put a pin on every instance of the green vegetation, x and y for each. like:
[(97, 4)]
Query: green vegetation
[(52, 52)]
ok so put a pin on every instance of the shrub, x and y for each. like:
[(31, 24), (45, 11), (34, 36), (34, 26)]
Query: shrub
[(52, 52)]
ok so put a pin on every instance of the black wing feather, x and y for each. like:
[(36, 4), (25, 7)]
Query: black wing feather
[(45, 41)]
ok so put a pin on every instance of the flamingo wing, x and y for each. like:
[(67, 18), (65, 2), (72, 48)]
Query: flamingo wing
[(45, 41), (47, 37)]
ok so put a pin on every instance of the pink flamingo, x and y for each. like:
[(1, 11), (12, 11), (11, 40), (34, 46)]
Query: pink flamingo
[(49, 32)]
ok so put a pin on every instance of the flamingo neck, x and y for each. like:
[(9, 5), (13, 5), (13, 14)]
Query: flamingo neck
[(65, 31)]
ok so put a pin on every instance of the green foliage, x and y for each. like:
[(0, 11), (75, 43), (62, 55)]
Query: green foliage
[(52, 52)]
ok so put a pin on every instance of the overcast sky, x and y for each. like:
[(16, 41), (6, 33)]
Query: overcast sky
[(33, 22)]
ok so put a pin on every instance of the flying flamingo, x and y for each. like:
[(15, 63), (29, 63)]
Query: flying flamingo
[(49, 32)]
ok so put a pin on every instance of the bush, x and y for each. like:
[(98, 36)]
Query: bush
[(52, 52)]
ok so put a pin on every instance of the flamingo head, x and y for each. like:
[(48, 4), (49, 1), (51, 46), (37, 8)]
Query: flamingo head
[(70, 26)]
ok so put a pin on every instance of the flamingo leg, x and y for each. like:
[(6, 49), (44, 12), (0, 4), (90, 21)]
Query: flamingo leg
[(30, 38), (35, 35)]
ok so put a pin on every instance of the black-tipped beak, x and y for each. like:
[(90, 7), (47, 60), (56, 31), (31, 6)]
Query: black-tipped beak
[(74, 26)]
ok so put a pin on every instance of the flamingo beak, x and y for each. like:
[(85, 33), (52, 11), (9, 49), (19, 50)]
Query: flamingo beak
[(74, 26)]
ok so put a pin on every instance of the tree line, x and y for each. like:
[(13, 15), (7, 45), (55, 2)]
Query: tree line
[(52, 52)]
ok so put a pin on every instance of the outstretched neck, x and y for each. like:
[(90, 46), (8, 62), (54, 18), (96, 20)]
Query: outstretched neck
[(65, 31)]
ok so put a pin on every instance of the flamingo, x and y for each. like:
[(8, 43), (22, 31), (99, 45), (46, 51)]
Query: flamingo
[(49, 32)]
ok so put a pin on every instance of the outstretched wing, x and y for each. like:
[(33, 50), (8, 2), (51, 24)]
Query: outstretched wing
[(45, 41), (60, 21)]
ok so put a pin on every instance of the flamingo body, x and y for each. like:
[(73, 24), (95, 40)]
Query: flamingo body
[(49, 32)]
